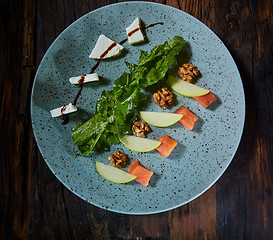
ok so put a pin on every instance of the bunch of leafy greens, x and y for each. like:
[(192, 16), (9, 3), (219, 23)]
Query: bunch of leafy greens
[(116, 110)]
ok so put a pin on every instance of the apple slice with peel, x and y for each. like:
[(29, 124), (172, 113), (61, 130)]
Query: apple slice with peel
[(185, 88), (160, 119), (138, 144), (114, 174)]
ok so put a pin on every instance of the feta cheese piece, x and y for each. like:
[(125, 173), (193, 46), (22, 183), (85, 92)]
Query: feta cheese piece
[(66, 109), (84, 78), (105, 48), (134, 32)]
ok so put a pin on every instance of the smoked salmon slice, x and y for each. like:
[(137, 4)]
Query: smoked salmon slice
[(205, 100), (188, 118), (142, 174), (166, 146)]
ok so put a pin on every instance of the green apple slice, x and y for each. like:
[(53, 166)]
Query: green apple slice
[(114, 174), (160, 119), (138, 144), (185, 88)]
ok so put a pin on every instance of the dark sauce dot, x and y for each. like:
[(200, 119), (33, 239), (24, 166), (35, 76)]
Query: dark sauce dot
[(65, 119)]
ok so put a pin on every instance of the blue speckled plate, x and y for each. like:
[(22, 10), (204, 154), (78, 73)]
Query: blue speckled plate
[(202, 155)]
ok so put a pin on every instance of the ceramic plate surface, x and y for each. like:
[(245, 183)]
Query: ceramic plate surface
[(201, 156)]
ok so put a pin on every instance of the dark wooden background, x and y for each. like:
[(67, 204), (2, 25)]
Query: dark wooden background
[(35, 205)]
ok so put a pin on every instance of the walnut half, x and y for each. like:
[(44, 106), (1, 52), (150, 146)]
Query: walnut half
[(118, 159), (188, 72), (139, 128), (163, 98)]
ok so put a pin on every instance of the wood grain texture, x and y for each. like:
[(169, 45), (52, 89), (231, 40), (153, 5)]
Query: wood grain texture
[(35, 205), (246, 206)]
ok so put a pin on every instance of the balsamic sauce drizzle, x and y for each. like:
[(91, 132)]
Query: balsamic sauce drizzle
[(108, 49), (65, 118), (82, 79), (133, 31), (153, 24)]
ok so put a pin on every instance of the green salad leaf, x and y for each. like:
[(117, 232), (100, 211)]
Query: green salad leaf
[(88, 134), (116, 109)]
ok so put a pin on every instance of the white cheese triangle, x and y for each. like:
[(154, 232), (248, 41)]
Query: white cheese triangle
[(103, 46), (66, 109), (84, 78), (134, 32)]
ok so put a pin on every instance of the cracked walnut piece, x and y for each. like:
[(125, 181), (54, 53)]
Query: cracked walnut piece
[(188, 72), (163, 98), (118, 159), (139, 128)]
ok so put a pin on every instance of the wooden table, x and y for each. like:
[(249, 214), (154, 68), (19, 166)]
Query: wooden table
[(35, 205)]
